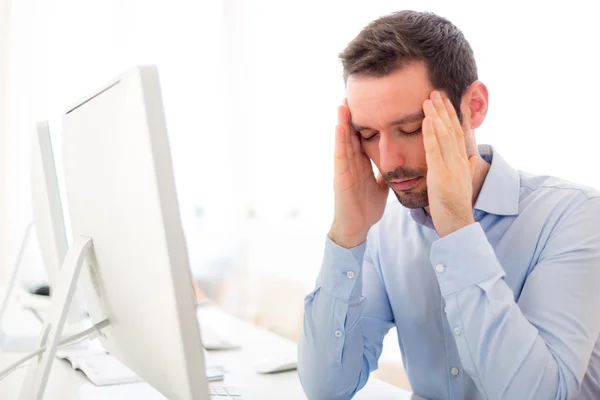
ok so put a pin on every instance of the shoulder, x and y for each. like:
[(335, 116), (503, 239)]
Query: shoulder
[(553, 194)]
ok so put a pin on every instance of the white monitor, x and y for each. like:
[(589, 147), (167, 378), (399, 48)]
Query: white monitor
[(47, 212), (122, 202), (48, 223), (45, 200)]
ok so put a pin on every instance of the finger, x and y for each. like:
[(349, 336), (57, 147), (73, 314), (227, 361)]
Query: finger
[(343, 146), (429, 109), (356, 147), (433, 154), (358, 157), (466, 113), (444, 140), (344, 124), (440, 107), (460, 133), (344, 114), (355, 160), (341, 163)]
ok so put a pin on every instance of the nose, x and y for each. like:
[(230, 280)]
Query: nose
[(390, 153)]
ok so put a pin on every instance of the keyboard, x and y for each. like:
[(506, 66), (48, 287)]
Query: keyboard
[(224, 393)]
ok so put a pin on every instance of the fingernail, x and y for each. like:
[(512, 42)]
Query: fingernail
[(436, 95)]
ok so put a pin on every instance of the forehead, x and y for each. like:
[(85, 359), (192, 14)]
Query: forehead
[(375, 101)]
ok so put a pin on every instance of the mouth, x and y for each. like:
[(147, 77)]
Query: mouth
[(406, 184)]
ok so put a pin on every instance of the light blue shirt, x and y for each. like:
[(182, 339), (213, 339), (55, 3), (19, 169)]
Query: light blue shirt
[(505, 308)]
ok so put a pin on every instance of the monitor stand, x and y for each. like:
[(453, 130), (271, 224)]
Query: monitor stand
[(39, 368), (12, 283)]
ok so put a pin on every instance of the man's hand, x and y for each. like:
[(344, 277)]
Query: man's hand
[(359, 197), (449, 170)]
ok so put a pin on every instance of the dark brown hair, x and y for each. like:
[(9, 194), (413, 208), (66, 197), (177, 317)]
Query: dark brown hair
[(394, 40)]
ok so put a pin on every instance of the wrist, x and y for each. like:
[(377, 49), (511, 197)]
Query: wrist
[(457, 224), (346, 241)]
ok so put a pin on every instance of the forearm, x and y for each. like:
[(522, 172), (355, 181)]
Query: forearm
[(331, 347), (341, 339), (537, 348), (501, 350)]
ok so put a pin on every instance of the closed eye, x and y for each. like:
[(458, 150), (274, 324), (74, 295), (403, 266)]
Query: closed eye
[(400, 131), (412, 133), (370, 138)]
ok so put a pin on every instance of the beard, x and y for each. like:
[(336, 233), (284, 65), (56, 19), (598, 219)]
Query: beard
[(409, 198)]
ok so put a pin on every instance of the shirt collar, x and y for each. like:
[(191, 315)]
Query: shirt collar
[(500, 191), (501, 188)]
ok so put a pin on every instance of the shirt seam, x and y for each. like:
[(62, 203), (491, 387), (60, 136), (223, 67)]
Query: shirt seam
[(447, 363), (469, 348), (377, 268), (580, 190), (561, 221)]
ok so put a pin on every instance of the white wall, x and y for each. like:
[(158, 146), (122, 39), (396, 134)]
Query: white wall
[(62, 50), (4, 30), (251, 89), (25, 95)]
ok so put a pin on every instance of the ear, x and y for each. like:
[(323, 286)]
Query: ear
[(476, 100)]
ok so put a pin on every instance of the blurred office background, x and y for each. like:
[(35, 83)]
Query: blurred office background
[(251, 89)]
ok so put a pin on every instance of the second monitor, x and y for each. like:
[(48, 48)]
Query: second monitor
[(122, 201)]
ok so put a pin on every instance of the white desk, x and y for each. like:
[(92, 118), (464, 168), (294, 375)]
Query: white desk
[(67, 384)]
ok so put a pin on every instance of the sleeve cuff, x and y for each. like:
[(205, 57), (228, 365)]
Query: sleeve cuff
[(341, 272), (463, 259)]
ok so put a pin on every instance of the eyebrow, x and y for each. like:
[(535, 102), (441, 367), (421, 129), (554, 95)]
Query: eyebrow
[(405, 119)]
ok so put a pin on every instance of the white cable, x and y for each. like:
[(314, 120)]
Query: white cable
[(24, 365), (15, 369), (90, 332)]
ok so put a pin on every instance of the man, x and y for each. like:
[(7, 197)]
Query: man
[(491, 276)]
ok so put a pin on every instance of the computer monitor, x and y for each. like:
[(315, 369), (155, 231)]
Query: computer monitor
[(45, 200), (49, 226), (127, 240), (47, 212)]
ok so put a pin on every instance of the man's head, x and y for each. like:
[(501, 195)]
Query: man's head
[(390, 69)]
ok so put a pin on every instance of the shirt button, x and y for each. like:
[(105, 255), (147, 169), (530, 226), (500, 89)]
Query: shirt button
[(446, 310), (440, 268), (454, 371), (338, 334), (457, 331), (350, 274)]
